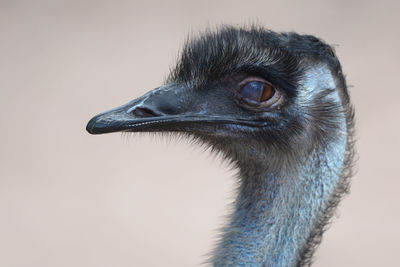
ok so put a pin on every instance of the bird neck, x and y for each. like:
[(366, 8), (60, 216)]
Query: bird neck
[(276, 210)]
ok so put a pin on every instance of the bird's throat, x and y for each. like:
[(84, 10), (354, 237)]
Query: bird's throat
[(276, 211)]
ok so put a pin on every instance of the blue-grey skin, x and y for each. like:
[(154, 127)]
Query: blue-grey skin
[(293, 153)]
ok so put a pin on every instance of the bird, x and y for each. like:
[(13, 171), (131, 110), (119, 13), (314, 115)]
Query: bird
[(275, 105)]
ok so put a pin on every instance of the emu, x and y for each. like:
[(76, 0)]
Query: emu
[(276, 106)]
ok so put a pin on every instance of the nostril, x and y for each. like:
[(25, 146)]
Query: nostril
[(144, 112)]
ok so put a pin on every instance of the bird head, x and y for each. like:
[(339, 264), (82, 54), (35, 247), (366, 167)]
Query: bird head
[(243, 91)]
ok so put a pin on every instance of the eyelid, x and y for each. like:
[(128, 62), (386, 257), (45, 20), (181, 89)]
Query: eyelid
[(254, 79)]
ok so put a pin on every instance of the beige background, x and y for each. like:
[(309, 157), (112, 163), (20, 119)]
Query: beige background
[(71, 199)]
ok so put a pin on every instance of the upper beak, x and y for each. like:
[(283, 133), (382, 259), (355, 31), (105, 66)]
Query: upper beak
[(113, 120), (166, 108), (159, 106)]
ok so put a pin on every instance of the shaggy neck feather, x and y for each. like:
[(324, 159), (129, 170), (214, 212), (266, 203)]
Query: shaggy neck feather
[(275, 211)]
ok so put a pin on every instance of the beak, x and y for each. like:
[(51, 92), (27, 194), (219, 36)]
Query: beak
[(157, 107), (166, 108)]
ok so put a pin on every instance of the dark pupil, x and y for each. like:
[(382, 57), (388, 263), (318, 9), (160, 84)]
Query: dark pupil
[(253, 90)]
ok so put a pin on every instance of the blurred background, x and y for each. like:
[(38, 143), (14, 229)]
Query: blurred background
[(71, 199)]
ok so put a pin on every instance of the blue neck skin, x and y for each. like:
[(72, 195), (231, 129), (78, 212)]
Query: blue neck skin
[(276, 212)]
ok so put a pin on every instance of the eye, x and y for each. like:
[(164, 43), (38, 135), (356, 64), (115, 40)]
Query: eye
[(257, 91)]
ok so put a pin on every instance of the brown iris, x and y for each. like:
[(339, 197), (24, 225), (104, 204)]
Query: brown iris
[(268, 92)]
